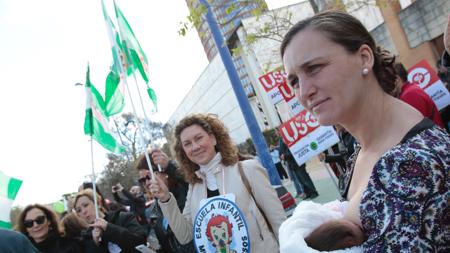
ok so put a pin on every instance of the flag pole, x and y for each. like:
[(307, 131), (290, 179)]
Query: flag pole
[(147, 121), (94, 186), (121, 141)]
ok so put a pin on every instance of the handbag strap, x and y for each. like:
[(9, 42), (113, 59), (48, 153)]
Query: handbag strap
[(247, 185)]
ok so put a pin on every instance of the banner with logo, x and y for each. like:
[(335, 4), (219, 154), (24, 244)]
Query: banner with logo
[(305, 137), (288, 94), (270, 83), (220, 226), (426, 78)]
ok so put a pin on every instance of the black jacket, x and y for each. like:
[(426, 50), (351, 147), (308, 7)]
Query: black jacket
[(137, 204), (122, 230), (288, 157), (57, 244)]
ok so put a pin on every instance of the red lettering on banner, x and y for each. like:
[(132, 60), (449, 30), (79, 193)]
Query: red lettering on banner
[(272, 79), (298, 127), (286, 91)]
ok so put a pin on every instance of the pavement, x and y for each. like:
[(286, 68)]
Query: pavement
[(326, 185)]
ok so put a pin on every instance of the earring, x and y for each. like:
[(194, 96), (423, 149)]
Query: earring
[(365, 71)]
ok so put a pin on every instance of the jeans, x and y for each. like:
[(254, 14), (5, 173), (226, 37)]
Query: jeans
[(305, 180), (297, 184)]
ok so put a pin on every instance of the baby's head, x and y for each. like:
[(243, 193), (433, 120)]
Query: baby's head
[(334, 235)]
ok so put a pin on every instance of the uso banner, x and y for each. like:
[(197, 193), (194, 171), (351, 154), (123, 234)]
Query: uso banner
[(220, 226), (289, 95), (305, 137), (270, 82), (426, 78)]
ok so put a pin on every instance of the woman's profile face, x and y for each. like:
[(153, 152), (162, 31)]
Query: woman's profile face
[(85, 209), (326, 78), (198, 144), (40, 224)]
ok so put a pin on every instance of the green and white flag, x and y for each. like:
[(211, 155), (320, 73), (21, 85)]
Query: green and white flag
[(9, 187), (135, 56), (95, 121), (114, 99)]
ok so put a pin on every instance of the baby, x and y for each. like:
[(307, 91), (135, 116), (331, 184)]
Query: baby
[(321, 228), (334, 235)]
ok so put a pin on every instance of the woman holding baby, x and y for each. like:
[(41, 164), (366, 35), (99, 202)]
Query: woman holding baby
[(399, 177)]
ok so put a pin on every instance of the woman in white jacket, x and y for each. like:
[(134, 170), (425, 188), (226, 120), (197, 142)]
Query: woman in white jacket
[(209, 159)]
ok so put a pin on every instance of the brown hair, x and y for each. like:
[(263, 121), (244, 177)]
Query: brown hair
[(89, 193), (212, 125), (333, 235), (73, 225), (350, 33), (50, 215)]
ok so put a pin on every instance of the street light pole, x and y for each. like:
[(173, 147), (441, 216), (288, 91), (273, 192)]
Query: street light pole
[(252, 124)]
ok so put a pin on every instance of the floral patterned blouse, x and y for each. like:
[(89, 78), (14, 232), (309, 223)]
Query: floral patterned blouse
[(406, 206)]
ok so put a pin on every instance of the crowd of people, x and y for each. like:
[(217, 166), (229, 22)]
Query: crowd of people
[(394, 159)]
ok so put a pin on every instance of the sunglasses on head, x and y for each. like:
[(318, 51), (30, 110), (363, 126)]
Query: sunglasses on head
[(144, 179), (39, 220)]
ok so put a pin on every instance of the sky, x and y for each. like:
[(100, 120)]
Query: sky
[(45, 48)]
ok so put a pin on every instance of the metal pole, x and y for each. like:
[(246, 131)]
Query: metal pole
[(252, 124)]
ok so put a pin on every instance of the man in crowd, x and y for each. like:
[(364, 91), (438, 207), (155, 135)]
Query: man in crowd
[(298, 171), (134, 199)]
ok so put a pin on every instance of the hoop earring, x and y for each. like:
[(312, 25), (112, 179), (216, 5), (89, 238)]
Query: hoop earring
[(365, 71)]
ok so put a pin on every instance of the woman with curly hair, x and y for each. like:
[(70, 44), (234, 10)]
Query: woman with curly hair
[(41, 225), (398, 183), (209, 159)]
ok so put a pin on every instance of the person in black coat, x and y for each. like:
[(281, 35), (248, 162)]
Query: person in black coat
[(134, 199), (299, 171), (41, 225), (112, 231)]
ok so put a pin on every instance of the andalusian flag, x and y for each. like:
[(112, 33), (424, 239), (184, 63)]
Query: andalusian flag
[(95, 121), (8, 190), (135, 56), (114, 100)]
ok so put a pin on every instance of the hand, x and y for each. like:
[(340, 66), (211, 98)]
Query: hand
[(159, 189), (100, 224), (120, 187), (160, 158), (322, 157), (447, 36), (97, 235)]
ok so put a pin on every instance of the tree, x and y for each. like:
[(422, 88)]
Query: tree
[(120, 167)]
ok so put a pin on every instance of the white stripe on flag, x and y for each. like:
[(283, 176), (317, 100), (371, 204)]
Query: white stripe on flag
[(5, 208)]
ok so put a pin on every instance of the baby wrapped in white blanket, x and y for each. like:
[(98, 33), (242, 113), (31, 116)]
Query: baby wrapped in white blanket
[(314, 227)]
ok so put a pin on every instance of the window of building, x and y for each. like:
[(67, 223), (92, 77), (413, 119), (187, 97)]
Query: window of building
[(405, 3)]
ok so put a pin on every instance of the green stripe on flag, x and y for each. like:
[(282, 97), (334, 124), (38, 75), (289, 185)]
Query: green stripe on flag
[(13, 187), (9, 187), (4, 224)]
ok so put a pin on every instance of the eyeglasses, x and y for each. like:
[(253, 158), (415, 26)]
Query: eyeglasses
[(39, 220), (142, 180)]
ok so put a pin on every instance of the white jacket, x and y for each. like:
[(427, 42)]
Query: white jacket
[(261, 239)]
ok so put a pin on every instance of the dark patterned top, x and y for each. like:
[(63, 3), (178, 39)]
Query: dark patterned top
[(406, 206)]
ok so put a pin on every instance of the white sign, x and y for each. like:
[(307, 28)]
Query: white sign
[(220, 226), (306, 138)]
